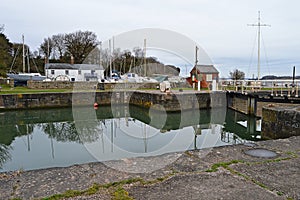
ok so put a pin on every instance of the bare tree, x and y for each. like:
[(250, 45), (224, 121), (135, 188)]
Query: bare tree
[(46, 48), (79, 44), (59, 44)]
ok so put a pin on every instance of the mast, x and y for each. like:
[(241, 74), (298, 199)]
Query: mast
[(258, 43), (28, 64), (48, 50), (110, 55), (145, 61), (23, 61), (196, 56)]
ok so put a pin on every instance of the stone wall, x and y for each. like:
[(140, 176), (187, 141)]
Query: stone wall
[(7, 81), (279, 121), (238, 102), (176, 101), (61, 85), (93, 85)]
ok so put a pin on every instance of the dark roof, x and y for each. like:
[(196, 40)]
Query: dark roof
[(73, 66), (208, 69)]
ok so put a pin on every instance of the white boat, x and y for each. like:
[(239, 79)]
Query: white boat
[(135, 78), (23, 77), (26, 76)]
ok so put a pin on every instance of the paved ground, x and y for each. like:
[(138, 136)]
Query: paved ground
[(218, 173)]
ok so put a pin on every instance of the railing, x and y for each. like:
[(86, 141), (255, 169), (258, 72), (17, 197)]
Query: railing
[(282, 88)]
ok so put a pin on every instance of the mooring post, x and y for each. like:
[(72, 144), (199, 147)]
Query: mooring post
[(297, 88), (272, 92), (252, 105)]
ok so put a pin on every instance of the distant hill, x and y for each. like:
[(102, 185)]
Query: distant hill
[(157, 68), (272, 77)]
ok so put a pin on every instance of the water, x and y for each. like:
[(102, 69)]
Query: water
[(35, 139)]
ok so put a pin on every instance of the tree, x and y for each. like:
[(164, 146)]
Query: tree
[(237, 75), (5, 54), (59, 44), (79, 44), (1, 28), (47, 47)]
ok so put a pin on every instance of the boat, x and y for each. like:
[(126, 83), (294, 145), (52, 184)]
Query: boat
[(135, 78), (25, 76)]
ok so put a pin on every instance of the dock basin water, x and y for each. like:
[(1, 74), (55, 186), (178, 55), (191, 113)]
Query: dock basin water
[(59, 137)]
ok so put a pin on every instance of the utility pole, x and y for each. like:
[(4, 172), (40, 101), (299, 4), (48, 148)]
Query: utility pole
[(196, 56), (258, 43), (294, 74)]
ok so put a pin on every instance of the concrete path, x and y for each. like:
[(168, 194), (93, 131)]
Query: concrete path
[(218, 173)]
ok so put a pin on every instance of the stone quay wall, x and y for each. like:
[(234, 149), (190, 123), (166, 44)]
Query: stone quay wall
[(62, 85), (176, 101), (239, 102), (7, 81), (95, 85), (280, 121)]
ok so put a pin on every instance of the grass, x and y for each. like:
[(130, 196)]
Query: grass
[(225, 165), (121, 194), (24, 90), (6, 89), (73, 193)]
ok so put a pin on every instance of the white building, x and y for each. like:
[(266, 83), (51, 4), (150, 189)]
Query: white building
[(74, 72)]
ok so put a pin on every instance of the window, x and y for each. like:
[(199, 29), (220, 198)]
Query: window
[(67, 72), (52, 72), (92, 71), (208, 77), (79, 72), (73, 79)]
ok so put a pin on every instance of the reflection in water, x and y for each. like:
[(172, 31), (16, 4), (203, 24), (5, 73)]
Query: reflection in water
[(32, 139), (4, 154)]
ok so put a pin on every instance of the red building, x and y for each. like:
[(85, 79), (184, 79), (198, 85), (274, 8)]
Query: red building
[(203, 73)]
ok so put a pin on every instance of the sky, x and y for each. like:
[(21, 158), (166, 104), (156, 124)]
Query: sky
[(219, 27)]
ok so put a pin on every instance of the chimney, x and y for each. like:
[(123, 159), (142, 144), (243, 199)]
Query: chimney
[(72, 60)]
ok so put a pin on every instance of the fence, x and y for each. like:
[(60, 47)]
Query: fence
[(282, 88)]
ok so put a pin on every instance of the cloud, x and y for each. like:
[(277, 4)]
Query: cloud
[(220, 27)]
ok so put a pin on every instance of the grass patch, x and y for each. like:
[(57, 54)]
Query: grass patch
[(124, 182), (292, 154), (279, 193), (225, 165), (24, 90), (121, 194), (73, 193)]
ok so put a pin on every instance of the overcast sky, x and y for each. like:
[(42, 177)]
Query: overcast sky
[(218, 26)]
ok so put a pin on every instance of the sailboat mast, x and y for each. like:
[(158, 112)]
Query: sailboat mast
[(259, 25), (258, 46), (145, 61), (28, 64), (196, 56), (23, 61)]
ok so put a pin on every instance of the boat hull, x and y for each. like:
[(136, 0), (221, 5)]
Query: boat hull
[(26, 77)]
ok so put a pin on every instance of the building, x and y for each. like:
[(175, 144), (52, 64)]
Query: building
[(74, 72), (205, 74)]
